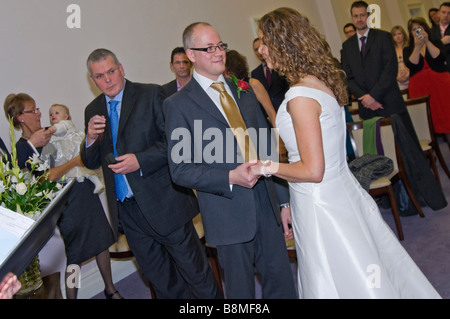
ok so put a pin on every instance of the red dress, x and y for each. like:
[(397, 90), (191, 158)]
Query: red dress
[(437, 85)]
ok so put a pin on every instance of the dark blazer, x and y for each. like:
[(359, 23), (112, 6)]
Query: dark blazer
[(374, 74), (4, 150), (277, 89), (229, 216), (438, 64), (436, 35), (141, 132), (170, 88)]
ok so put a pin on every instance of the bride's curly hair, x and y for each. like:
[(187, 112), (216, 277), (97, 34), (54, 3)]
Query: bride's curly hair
[(297, 49)]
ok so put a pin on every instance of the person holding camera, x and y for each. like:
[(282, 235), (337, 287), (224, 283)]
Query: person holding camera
[(425, 57)]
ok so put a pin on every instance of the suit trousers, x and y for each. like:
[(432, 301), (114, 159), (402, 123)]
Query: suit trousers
[(176, 265), (267, 252)]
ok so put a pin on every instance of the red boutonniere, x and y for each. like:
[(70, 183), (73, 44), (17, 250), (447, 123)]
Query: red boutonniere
[(241, 86)]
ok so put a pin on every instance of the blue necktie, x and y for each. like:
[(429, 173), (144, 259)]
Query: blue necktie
[(120, 183)]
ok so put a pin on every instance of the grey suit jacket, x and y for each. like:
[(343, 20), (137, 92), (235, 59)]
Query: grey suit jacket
[(165, 205), (229, 216), (374, 74)]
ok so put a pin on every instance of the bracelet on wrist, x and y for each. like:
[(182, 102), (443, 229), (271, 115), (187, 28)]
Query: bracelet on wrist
[(287, 205), (265, 164)]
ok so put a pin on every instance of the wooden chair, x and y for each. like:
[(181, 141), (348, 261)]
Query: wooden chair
[(419, 111), (405, 94), (354, 110), (384, 185)]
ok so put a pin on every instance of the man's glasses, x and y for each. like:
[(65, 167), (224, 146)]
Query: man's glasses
[(213, 48), (35, 111)]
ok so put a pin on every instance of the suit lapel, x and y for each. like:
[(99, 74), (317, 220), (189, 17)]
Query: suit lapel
[(199, 97), (128, 102), (370, 41), (243, 108)]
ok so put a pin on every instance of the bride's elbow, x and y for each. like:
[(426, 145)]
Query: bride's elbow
[(316, 174)]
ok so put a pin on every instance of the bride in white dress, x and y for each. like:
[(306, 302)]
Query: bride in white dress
[(344, 247)]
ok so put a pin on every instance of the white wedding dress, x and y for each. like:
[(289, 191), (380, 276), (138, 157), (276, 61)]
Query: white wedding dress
[(344, 247)]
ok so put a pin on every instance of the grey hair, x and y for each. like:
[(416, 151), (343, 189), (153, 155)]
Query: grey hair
[(100, 55)]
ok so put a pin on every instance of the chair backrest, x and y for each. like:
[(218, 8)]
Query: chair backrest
[(419, 111), (354, 110), (405, 94), (356, 133)]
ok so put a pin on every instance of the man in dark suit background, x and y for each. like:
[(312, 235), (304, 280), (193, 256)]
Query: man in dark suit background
[(181, 66), (275, 85), (370, 62), (240, 212), (441, 31), (155, 214), (372, 74)]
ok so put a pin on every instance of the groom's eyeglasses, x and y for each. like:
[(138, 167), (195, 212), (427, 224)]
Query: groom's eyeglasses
[(213, 48)]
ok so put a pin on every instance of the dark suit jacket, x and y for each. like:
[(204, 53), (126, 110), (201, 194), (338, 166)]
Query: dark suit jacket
[(170, 88), (436, 34), (4, 149), (374, 74), (229, 216), (141, 132), (277, 89)]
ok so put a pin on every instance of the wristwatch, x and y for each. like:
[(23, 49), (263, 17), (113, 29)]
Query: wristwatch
[(287, 205)]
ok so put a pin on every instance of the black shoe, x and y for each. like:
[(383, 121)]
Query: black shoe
[(110, 296)]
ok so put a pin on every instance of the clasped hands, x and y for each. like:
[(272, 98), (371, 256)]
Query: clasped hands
[(248, 174), (127, 163), (370, 103)]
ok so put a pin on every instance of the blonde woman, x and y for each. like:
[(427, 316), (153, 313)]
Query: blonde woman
[(400, 39)]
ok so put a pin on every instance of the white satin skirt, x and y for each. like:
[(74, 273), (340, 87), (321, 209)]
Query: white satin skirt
[(344, 247)]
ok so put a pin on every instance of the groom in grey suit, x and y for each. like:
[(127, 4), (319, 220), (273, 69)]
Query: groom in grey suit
[(155, 215), (240, 212)]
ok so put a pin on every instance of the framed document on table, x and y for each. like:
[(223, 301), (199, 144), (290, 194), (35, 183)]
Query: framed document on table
[(19, 249)]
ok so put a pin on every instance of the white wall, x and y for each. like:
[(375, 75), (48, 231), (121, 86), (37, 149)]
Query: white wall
[(41, 56)]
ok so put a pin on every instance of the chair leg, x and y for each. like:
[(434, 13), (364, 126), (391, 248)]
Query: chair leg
[(441, 159), (395, 213), (411, 195), (430, 155)]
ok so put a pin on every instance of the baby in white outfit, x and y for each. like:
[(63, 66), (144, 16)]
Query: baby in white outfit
[(65, 145)]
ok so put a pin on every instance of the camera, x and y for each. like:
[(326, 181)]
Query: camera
[(419, 31)]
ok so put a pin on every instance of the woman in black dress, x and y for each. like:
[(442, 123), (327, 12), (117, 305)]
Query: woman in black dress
[(83, 224)]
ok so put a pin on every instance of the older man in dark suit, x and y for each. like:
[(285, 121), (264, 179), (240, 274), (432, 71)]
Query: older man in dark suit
[(241, 213), (155, 214)]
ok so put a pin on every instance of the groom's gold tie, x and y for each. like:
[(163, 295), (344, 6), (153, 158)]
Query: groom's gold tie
[(236, 123)]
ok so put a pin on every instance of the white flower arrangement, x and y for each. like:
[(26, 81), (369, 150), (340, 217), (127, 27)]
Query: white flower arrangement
[(20, 190)]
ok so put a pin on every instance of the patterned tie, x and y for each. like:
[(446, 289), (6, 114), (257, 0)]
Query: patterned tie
[(236, 123), (363, 45), (268, 76), (120, 183)]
